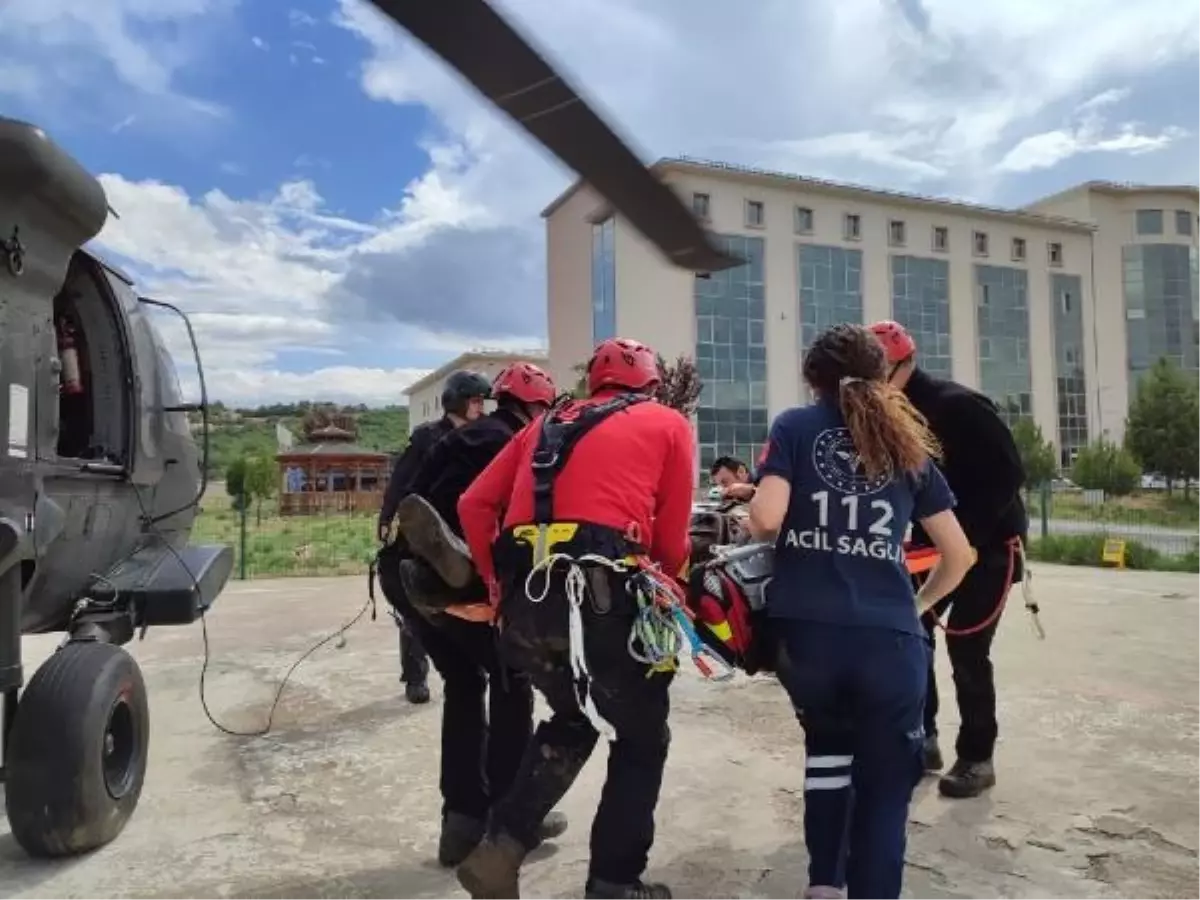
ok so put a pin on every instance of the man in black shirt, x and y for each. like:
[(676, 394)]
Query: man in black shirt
[(983, 468), (480, 752), (462, 401)]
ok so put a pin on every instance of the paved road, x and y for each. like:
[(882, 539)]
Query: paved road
[(1097, 766), (1168, 541)]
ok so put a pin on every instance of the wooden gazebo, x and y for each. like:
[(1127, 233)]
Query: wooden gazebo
[(330, 473)]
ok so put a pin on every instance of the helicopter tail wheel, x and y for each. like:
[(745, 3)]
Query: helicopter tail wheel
[(78, 751)]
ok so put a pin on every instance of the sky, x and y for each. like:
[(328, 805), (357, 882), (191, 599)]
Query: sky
[(338, 212)]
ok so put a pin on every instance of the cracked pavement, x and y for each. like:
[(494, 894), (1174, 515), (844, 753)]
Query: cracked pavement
[(1097, 766)]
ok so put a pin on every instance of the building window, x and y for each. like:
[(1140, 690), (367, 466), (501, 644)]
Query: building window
[(604, 281), (1055, 253), (756, 216), (804, 220), (1149, 221), (852, 227), (1162, 307), (979, 240), (700, 206), (896, 235), (1002, 330), (731, 355), (1070, 383), (1183, 222), (831, 289), (1018, 249), (941, 238), (921, 303)]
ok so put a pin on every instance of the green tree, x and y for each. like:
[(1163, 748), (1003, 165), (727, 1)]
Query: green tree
[(261, 481), (1163, 428), (1037, 453), (679, 385), (235, 481), (1103, 465)]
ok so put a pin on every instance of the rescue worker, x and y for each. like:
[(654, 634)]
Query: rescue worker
[(611, 477), (732, 477), (481, 751), (462, 401), (838, 482), (983, 467)]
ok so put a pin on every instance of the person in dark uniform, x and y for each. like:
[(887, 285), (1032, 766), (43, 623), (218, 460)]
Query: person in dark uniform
[(983, 467), (462, 401), (481, 750), (609, 478), (838, 483)]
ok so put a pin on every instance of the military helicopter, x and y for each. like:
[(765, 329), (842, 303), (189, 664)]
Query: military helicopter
[(100, 474)]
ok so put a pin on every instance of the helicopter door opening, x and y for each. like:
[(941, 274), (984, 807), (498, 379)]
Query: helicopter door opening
[(93, 379)]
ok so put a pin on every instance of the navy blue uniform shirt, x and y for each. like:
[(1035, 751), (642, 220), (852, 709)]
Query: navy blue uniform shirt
[(839, 557)]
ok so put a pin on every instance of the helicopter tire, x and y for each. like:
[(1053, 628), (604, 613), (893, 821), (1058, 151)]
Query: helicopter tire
[(78, 751)]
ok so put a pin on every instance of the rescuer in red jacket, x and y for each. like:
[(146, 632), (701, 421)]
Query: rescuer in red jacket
[(595, 482)]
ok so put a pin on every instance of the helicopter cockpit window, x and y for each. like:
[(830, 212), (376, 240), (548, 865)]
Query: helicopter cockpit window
[(93, 409)]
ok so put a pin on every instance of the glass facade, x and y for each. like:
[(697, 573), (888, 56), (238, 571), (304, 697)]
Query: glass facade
[(1066, 296), (604, 281), (731, 356), (921, 303), (1002, 333), (830, 289), (1162, 317)]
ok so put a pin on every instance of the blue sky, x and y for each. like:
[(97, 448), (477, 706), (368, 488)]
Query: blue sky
[(339, 214)]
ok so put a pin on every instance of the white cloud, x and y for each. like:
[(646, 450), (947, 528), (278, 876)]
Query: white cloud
[(1087, 133), (259, 43)]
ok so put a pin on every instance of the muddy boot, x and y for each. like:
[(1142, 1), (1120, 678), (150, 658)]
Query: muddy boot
[(967, 779), (416, 692), (460, 835), (553, 825), (430, 538), (931, 754), (493, 870), (606, 890), (428, 594)]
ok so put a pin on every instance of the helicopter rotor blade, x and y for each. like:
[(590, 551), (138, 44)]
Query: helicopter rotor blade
[(475, 40)]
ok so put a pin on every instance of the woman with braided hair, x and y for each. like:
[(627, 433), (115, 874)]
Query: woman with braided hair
[(840, 480)]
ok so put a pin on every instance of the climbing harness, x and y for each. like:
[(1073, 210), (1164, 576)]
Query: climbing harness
[(661, 630), (1016, 550)]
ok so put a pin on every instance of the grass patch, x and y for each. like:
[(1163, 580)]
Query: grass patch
[(1142, 508), (1087, 549)]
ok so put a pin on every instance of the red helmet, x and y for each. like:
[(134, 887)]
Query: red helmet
[(622, 363), (526, 382), (898, 344)]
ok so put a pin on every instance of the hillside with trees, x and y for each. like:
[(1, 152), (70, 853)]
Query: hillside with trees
[(240, 433)]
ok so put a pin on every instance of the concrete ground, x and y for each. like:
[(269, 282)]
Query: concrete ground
[(1097, 792)]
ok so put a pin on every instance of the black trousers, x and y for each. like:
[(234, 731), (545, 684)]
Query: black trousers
[(487, 711), (414, 661), (970, 604), (534, 639)]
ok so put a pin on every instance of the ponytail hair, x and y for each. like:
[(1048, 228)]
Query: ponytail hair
[(848, 363), (888, 432)]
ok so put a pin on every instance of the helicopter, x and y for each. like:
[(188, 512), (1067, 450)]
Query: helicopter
[(101, 475)]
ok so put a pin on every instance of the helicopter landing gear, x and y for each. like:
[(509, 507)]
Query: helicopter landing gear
[(76, 754)]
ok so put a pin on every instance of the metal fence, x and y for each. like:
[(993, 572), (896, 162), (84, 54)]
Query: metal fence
[(1159, 531)]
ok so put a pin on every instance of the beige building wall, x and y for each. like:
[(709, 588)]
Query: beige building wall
[(655, 301), (1113, 210), (425, 395)]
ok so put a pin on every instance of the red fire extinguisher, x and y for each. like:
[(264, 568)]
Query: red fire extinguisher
[(70, 378)]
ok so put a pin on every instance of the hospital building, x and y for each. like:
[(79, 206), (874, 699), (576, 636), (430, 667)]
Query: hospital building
[(1053, 310)]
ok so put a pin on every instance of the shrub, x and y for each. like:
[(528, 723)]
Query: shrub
[(1103, 465), (1088, 549)]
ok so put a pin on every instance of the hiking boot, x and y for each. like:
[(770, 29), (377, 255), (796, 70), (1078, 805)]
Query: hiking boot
[(430, 538), (553, 825), (416, 692), (460, 835), (931, 754), (493, 869), (606, 890), (967, 779), (424, 589)]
